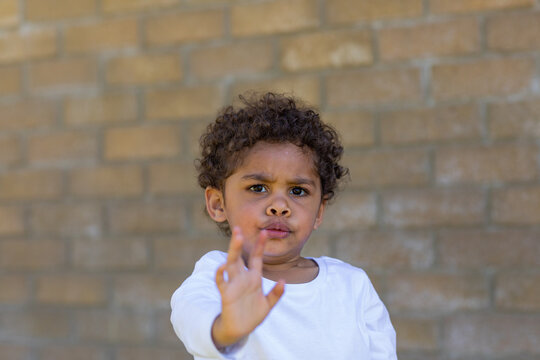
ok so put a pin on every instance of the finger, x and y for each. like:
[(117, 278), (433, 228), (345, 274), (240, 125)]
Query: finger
[(234, 263), (220, 277), (256, 255), (235, 245), (275, 294)]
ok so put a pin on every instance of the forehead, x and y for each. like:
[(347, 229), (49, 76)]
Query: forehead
[(278, 159)]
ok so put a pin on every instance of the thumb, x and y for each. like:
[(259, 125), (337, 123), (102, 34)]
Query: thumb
[(275, 294)]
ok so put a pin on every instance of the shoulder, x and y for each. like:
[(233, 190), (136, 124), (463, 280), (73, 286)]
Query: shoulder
[(342, 272), (340, 267), (205, 270), (210, 260)]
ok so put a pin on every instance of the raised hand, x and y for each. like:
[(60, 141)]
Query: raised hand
[(243, 303)]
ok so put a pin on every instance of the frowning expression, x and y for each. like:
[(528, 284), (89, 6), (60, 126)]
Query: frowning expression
[(275, 188)]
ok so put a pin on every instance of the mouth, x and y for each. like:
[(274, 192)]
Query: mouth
[(277, 231)]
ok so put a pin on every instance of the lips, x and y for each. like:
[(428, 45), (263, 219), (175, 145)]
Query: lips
[(277, 230)]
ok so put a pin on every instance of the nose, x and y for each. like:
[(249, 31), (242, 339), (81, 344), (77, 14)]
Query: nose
[(278, 207)]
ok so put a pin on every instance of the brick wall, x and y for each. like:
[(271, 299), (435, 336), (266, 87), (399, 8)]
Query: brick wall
[(101, 105)]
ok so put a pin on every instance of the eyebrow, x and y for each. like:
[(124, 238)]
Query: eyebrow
[(266, 178)]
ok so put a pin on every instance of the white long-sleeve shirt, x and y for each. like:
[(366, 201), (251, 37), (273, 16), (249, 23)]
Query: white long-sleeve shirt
[(337, 316)]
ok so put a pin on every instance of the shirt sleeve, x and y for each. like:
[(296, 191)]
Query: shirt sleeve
[(381, 333), (194, 307)]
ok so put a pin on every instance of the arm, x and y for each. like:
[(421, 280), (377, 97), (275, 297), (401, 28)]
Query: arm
[(382, 337), (195, 305), (208, 318)]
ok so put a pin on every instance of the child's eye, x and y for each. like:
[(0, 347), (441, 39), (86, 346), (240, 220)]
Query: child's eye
[(257, 188), (298, 191)]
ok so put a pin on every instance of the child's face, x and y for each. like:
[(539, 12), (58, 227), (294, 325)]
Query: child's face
[(276, 188)]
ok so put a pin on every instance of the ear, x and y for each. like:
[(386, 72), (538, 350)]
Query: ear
[(318, 219), (215, 204)]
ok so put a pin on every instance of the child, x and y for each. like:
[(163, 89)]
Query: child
[(269, 170)]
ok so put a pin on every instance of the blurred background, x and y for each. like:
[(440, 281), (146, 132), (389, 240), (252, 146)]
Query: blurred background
[(102, 103)]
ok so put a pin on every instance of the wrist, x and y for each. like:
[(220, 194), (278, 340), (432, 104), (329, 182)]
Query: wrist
[(222, 337)]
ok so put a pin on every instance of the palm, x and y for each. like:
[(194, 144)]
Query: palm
[(244, 305)]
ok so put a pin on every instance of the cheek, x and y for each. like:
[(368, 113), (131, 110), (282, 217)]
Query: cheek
[(242, 212)]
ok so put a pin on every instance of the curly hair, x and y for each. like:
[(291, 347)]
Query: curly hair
[(274, 118)]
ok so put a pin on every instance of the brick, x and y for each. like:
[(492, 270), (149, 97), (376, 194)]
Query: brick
[(173, 178), (15, 290), (11, 220), (110, 254), (434, 292), (486, 164), (180, 253), (519, 119), (388, 168), (183, 103), (464, 6), (164, 331), (62, 148), (387, 250), (66, 220), (479, 249), (63, 74), (14, 352), (492, 335), (147, 218), (10, 150), (516, 206), (31, 255), (334, 49), (37, 324), (422, 208), (100, 110), (416, 334), (513, 32), (461, 37), (114, 326), (68, 352), (346, 12), (34, 44), (109, 182), (37, 10), (306, 88), (9, 13), (356, 128), (374, 87), (195, 132), (232, 59), (144, 291), (103, 36), (70, 290), (274, 17), (430, 125), (11, 80), (517, 291), (31, 185), (185, 27), (208, 2), (411, 355), (141, 353), (142, 142), (354, 210), (116, 6), (482, 78), (27, 114), (148, 69)]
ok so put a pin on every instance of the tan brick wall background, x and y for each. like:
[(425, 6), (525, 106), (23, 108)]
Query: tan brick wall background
[(101, 106)]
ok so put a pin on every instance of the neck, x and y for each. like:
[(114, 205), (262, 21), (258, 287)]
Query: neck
[(295, 271)]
